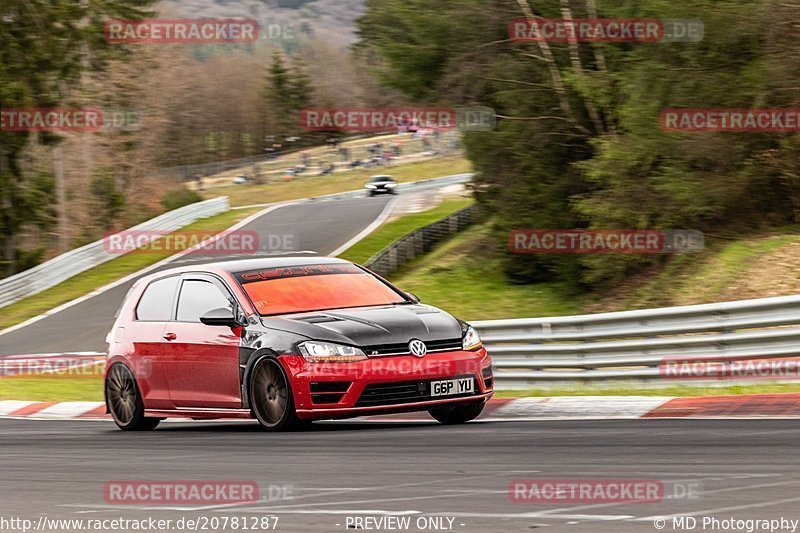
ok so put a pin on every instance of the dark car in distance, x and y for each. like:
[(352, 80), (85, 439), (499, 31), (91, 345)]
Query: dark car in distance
[(381, 184)]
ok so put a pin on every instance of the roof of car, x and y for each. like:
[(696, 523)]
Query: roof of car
[(244, 265), (241, 265)]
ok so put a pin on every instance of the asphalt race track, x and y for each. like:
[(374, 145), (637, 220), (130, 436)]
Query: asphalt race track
[(318, 226), (746, 469)]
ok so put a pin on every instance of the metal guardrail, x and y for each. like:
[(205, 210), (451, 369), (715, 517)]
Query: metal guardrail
[(69, 264), (632, 344), (420, 241)]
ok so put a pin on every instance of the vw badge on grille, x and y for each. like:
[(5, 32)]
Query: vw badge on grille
[(417, 348)]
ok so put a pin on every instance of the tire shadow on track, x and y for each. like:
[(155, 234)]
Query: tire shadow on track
[(317, 427)]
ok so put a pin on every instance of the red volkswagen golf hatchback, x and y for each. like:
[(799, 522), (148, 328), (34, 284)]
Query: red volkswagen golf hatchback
[(287, 340)]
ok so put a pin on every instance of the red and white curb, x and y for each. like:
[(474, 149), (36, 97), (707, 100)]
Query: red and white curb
[(545, 408), (52, 410)]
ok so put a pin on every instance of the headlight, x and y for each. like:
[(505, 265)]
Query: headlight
[(471, 340), (327, 352), (390, 185), (369, 186)]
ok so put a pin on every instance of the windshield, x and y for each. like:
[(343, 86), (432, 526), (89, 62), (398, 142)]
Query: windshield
[(300, 289)]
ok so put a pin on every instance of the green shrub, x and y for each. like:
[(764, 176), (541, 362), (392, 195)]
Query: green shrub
[(179, 198)]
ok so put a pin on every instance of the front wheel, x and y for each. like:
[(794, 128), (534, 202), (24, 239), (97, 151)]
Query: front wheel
[(271, 396), (457, 414), (124, 401)]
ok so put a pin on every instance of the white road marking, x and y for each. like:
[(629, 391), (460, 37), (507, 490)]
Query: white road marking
[(151, 507), (387, 210), (281, 508), (351, 511)]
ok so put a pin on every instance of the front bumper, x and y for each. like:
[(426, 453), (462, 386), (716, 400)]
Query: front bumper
[(383, 385)]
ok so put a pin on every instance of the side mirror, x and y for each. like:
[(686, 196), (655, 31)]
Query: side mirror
[(414, 297), (220, 317)]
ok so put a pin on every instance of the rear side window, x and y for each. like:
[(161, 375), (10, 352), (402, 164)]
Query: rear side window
[(198, 298), (156, 302)]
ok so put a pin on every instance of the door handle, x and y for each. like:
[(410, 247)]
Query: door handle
[(170, 336)]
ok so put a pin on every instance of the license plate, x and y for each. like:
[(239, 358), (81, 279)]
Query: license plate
[(450, 387)]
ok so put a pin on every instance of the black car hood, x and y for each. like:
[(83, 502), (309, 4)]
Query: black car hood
[(370, 326)]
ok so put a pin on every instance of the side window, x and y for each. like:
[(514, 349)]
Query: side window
[(197, 298), (156, 302)]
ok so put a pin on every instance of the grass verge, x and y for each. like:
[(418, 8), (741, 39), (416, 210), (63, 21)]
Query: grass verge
[(723, 272), (87, 389), (391, 231), (463, 277), (52, 389)]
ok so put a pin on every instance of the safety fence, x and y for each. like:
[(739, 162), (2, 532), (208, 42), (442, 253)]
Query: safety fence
[(711, 342), (420, 241)]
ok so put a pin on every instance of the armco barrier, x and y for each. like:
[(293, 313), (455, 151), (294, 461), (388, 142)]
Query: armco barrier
[(419, 241), (630, 344), (58, 269)]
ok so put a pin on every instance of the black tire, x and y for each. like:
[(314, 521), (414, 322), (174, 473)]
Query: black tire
[(271, 396), (125, 401), (458, 414)]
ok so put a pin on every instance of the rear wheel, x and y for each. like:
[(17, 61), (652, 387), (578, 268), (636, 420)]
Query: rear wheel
[(271, 396), (457, 414), (125, 402)]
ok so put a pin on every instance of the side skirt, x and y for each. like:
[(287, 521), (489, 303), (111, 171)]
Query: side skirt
[(198, 413)]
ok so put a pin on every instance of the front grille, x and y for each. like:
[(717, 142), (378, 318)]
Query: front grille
[(400, 392), (328, 391), (401, 348)]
